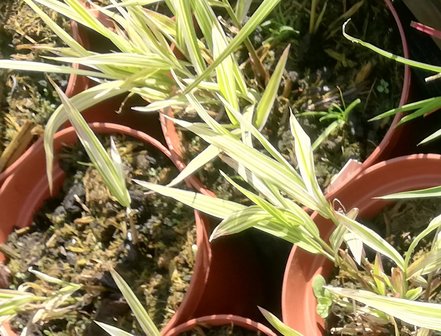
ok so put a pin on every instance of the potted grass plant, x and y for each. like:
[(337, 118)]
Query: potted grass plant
[(213, 274), (279, 198), (144, 59), (24, 192)]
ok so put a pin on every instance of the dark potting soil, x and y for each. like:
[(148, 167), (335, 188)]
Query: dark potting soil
[(81, 234), (323, 69), (231, 330), (25, 96), (400, 223)]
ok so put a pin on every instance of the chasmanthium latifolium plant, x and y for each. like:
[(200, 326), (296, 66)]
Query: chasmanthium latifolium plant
[(279, 193)]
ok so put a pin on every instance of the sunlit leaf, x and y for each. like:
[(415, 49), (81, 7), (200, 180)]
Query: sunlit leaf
[(371, 239), (113, 331), (279, 325), (136, 307), (420, 314), (269, 95), (259, 15), (96, 152), (198, 162), (213, 206)]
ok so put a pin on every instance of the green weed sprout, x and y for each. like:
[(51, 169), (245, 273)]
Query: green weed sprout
[(280, 193), (340, 117), (142, 58), (44, 301)]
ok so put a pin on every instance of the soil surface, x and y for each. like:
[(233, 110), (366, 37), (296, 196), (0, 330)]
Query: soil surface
[(80, 235), (25, 96), (400, 224), (326, 73)]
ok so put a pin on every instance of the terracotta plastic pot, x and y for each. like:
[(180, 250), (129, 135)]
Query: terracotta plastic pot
[(25, 191), (221, 320), (399, 174)]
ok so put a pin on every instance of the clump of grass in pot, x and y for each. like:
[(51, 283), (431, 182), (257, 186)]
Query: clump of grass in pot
[(280, 193), (143, 58)]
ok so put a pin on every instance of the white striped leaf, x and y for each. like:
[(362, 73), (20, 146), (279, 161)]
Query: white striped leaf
[(256, 162), (266, 103), (213, 206), (96, 152), (371, 239), (420, 314), (207, 155), (113, 331), (305, 161), (259, 15), (136, 307), (81, 102)]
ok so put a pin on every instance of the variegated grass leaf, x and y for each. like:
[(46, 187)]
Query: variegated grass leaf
[(279, 325), (420, 314), (81, 101), (421, 193), (113, 331), (256, 162), (213, 206), (259, 15), (136, 307), (269, 95), (305, 161), (290, 217), (207, 155), (241, 9), (109, 171), (434, 224), (371, 239), (186, 35)]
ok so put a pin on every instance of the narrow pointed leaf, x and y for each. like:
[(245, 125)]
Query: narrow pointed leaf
[(434, 224), (213, 206), (305, 161), (113, 331), (279, 325), (207, 155), (50, 68), (371, 239), (96, 151), (421, 193), (420, 314), (259, 15), (136, 307), (81, 102), (266, 103)]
